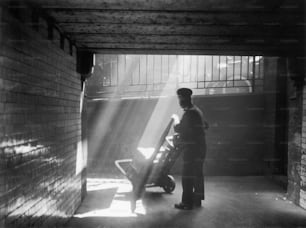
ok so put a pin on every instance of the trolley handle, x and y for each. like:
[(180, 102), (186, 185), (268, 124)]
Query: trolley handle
[(118, 164)]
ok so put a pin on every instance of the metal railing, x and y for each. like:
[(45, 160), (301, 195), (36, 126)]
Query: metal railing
[(147, 75)]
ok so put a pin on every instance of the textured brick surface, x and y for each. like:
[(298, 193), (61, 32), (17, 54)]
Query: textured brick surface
[(297, 144), (40, 128), (303, 156), (294, 144)]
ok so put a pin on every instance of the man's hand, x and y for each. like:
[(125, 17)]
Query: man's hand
[(176, 123), (176, 119), (176, 128)]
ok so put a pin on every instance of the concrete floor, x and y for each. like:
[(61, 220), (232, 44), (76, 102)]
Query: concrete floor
[(230, 202)]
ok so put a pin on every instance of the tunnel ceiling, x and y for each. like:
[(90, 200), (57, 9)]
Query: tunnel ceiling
[(259, 27)]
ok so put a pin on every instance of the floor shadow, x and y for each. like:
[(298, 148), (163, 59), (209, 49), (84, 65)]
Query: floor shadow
[(98, 199), (153, 197), (230, 202)]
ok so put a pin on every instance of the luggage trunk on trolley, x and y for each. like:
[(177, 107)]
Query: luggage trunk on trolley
[(151, 166)]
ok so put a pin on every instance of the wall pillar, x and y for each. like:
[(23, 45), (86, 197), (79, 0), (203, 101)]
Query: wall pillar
[(270, 78), (3, 189), (84, 142), (275, 127), (296, 131)]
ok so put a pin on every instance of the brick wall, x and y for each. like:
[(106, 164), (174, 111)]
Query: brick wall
[(40, 126), (296, 137), (302, 201), (275, 115)]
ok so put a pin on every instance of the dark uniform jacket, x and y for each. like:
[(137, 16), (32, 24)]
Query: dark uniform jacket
[(192, 134)]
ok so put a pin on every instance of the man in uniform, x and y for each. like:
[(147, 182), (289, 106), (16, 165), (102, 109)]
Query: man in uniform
[(192, 144)]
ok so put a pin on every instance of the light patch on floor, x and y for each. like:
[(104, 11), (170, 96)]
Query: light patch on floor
[(229, 202), (118, 207)]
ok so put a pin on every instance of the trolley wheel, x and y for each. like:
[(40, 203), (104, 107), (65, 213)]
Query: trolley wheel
[(169, 184)]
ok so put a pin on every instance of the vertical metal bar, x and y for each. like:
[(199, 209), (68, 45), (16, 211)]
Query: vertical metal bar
[(248, 68), (259, 76), (103, 76), (190, 61), (153, 71), (204, 71), (161, 69), (125, 66), (139, 70), (132, 75), (253, 76), (212, 68), (234, 70), (117, 78), (168, 68), (226, 63), (262, 67), (219, 76), (146, 72), (240, 67), (183, 79), (197, 75), (111, 72), (177, 72)]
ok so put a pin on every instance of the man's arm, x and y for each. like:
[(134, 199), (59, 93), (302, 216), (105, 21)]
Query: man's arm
[(205, 124), (186, 126)]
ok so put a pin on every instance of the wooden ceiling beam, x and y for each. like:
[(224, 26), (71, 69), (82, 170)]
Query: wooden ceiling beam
[(177, 39), (267, 27), (193, 46), (207, 30), (219, 50), (163, 5), (177, 18)]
